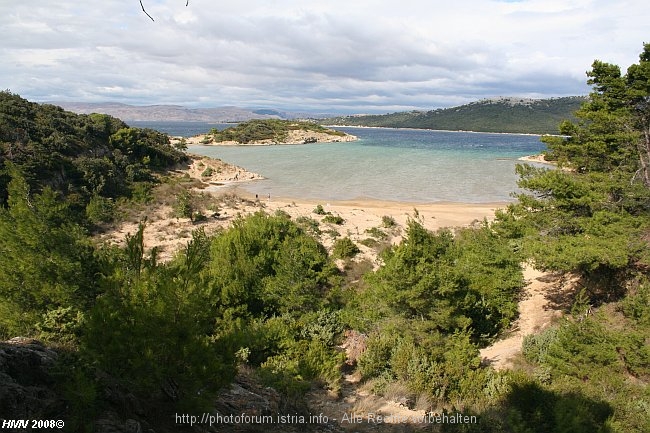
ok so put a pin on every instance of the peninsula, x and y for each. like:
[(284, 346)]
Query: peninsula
[(271, 131)]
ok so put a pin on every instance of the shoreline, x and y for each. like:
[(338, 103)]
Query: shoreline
[(363, 220), (295, 137), (238, 188), (539, 158), (441, 130), (362, 214)]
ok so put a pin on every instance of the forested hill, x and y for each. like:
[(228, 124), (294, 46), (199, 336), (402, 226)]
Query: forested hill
[(514, 115), (85, 159)]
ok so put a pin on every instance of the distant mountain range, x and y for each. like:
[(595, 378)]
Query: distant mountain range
[(513, 115), (153, 113)]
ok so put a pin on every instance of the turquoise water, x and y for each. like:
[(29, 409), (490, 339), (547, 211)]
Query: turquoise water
[(387, 164)]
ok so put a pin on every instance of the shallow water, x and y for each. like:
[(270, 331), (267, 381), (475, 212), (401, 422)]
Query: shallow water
[(388, 164)]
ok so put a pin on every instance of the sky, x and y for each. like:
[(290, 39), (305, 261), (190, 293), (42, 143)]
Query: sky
[(339, 56)]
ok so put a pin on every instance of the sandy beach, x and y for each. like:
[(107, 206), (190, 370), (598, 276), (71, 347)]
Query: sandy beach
[(541, 159), (363, 220)]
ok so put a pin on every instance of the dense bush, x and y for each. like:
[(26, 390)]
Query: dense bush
[(590, 218), (467, 281), (47, 261), (388, 221), (100, 209), (344, 248), (159, 311), (268, 265), (77, 156), (333, 219), (436, 296)]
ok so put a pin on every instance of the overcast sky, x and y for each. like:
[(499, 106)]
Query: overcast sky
[(325, 55)]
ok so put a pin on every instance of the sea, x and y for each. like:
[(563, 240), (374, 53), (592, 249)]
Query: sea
[(401, 165)]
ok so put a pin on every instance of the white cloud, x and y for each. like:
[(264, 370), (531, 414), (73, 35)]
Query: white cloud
[(337, 55)]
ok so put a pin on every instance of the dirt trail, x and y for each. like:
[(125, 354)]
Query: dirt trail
[(546, 296), (356, 409)]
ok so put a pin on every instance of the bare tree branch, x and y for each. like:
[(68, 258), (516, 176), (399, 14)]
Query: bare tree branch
[(142, 6), (187, 2)]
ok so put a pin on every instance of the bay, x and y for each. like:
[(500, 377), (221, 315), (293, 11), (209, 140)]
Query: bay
[(403, 165), (419, 166)]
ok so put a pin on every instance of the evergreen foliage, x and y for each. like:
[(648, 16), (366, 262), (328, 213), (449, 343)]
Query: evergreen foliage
[(502, 115), (159, 311), (436, 297), (46, 261), (274, 130), (78, 156), (266, 265), (345, 248), (591, 216), (468, 281)]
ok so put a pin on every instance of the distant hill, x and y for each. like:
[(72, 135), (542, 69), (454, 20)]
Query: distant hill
[(514, 115), (153, 113)]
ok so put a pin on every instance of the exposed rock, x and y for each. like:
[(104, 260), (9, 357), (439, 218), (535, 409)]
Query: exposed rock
[(26, 386), (354, 345), (28, 390), (111, 423)]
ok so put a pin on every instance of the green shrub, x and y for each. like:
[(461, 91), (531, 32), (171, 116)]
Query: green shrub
[(266, 265), (181, 145), (324, 326), (470, 279), (369, 242), (281, 372), (637, 305), (535, 346), (388, 221), (376, 233), (100, 210), (60, 325), (141, 192), (377, 356), (319, 210), (333, 219), (80, 389), (310, 225), (182, 207), (160, 309), (344, 248), (207, 172)]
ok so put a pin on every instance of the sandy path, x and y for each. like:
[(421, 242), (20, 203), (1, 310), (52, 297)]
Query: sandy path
[(358, 410), (542, 303)]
